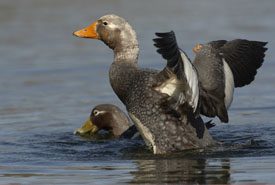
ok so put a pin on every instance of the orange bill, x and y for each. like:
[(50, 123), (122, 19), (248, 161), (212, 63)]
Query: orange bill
[(89, 32), (197, 47)]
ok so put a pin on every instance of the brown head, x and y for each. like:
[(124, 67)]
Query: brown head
[(105, 117)]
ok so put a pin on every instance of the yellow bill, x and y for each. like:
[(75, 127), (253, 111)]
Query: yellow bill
[(87, 128)]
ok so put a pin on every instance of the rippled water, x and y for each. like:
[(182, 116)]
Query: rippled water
[(50, 80)]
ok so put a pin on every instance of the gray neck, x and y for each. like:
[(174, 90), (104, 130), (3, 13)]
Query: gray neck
[(127, 48), (128, 55)]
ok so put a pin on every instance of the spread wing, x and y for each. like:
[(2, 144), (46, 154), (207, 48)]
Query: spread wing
[(244, 57), (179, 78)]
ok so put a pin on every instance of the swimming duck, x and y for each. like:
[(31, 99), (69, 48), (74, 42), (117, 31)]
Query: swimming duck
[(164, 105), (111, 118)]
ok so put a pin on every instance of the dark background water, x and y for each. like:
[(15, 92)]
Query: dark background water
[(50, 81)]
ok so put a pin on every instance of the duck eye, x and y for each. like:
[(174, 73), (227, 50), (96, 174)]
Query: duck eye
[(96, 112), (105, 23)]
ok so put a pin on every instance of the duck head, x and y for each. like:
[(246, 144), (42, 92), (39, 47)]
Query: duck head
[(105, 117), (116, 33)]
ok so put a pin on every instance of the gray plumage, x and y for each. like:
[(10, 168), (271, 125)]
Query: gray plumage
[(165, 105), (165, 127), (223, 65), (210, 69)]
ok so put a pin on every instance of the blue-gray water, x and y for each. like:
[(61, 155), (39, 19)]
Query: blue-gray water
[(50, 80)]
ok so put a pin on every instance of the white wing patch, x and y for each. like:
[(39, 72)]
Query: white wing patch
[(169, 86), (192, 79), (229, 84)]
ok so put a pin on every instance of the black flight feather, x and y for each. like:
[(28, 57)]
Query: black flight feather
[(169, 50), (244, 57)]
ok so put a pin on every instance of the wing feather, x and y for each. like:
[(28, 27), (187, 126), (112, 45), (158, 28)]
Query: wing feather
[(180, 79), (244, 57)]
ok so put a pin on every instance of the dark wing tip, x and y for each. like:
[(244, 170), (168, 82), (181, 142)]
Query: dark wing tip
[(165, 34), (169, 50), (209, 124), (244, 57), (263, 45), (164, 39), (167, 45)]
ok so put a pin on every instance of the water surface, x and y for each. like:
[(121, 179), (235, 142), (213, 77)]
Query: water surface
[(50, 81)]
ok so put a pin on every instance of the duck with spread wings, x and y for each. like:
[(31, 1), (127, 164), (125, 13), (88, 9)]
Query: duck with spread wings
[(164, 105)]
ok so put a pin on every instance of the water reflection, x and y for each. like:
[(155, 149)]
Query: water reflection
[(202, 171)]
